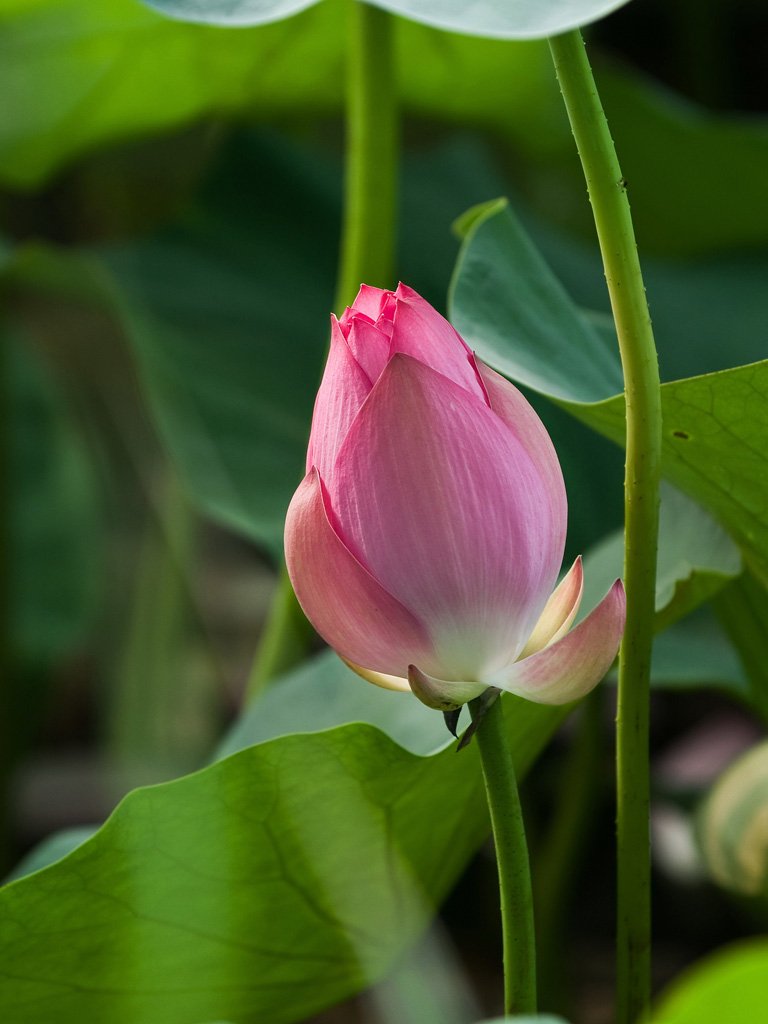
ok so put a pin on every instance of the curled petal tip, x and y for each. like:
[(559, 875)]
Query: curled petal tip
[(440, 694)]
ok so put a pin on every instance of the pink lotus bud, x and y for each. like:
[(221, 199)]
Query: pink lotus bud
[(427, 536)]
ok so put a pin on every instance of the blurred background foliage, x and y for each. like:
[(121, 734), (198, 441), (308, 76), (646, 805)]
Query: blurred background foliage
[(170, 199)]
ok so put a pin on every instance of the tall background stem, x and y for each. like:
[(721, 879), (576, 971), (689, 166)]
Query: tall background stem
[(511, 858), (610, 206), (6, 665), (370, 186), (367, 255)]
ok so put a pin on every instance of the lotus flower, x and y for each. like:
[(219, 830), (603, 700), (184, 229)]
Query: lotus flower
[(427, 536)]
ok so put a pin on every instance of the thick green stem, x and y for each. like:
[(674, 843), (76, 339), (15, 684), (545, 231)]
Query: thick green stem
[(512, 860), (608, 195), (6, 666), (370, 185), (367, 255)]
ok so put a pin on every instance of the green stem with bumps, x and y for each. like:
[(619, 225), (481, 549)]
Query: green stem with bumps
[(610, 206), (511, 857)]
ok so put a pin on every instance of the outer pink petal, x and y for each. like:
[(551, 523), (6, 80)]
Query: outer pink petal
[(444, 506), (371, 301), (343, 390), (345, 604), (421, 332), (559, 612), (570, 668), (369, 345), (442, 694), (522, 419)]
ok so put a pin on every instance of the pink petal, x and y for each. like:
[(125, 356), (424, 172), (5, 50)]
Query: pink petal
[(559, 612), (371, 301), (369, 345), (442, 694), (343, 390), (570, 668), (347, 607), (523, 420), (444, 506), (421, 332)]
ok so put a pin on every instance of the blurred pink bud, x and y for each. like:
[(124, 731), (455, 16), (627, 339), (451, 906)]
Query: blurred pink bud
[(426, 538)]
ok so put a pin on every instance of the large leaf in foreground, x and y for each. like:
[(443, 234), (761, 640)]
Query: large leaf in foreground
[(228, 316), (275, 882), (715, 434)]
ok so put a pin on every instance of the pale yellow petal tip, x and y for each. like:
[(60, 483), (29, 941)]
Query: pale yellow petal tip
[(381, 679), (559, 612)]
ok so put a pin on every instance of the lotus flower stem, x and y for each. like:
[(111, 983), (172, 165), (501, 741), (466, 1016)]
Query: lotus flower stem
[(610, 207), (370, 191), (511, 857), (367, 254), (6, 666)]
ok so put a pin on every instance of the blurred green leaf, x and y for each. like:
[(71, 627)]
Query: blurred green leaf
[(87, 72), (84, 73), (510, 19), (228, 315), (696, 653), (694, 176), (265, 887), (54, 516), (715, 435), (696, 559), (729, 985), (527, 1019), (742, 609)]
